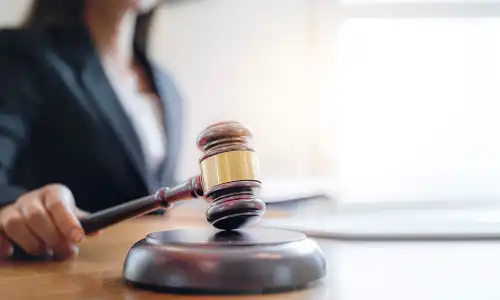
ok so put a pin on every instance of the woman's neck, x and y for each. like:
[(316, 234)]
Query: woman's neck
[(113, 34)]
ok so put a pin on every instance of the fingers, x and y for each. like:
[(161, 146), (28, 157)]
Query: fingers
[(40, 222), (17, 230), (65, 251), (59, 203), (6, 248), (81, 214)]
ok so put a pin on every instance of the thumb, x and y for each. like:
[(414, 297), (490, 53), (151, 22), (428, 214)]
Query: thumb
[(82, 214)]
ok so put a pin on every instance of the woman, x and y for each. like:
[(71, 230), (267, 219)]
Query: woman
[(87, 121)]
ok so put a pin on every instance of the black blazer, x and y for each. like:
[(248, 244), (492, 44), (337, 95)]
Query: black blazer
[(61, 122)]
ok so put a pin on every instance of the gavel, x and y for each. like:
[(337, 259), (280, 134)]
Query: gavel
[(228, 180)]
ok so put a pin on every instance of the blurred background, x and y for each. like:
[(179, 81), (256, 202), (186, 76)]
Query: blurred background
[(371, 99)]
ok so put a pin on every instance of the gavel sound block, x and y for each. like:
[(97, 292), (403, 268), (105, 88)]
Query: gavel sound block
[(231, 256)]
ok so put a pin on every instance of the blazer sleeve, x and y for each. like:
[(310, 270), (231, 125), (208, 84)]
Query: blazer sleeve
[(19, 108)]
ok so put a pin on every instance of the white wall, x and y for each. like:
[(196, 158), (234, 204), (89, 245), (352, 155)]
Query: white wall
[(247, 60)]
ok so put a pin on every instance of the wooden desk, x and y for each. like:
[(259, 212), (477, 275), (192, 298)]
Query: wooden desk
[(357, 270)]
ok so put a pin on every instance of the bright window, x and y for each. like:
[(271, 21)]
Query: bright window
[(413, 94)]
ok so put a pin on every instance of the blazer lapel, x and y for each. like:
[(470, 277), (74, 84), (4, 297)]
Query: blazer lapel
[(101, 93), (100, 89), (167, 98)]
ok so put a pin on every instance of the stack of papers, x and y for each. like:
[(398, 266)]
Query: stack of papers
[(467, 222), (281, 190)]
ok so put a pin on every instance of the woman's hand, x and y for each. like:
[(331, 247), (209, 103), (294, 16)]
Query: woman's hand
[(42, 222)]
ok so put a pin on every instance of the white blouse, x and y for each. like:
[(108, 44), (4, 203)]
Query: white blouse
[(145, 113)]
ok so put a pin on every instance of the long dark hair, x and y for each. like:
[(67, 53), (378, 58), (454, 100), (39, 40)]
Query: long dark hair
[(66, 12)]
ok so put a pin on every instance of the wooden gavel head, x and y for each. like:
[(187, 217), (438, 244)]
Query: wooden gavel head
[(230, 176), (229, 181)]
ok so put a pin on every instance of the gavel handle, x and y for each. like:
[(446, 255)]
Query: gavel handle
[(164, 197), (113, 215)]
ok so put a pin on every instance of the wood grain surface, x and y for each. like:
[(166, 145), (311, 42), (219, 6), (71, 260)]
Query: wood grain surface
[(356, 270)]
